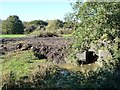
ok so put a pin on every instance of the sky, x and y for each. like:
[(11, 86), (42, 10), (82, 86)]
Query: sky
[(35, 10)]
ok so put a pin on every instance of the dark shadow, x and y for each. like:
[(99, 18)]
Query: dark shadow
[(91, 57)]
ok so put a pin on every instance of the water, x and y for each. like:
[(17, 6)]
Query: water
[(82, 68)]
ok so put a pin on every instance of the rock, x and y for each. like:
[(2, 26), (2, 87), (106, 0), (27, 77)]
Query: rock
[(81, 56), (86, 57), (103, 54)]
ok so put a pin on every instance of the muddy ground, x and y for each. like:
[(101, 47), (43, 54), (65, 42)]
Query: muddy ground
[(50, 48)]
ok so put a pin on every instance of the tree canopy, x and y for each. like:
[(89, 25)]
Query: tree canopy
[(12, 25), (96, 20), (37, 22)]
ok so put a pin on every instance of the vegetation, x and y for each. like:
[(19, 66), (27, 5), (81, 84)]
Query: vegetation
[(34, 25), (54, 28), (12, 25), (54, 25), (12, 35), (32, 73), (94, 23), (38, 33), (21, 63), (90, 22), (37, 22)]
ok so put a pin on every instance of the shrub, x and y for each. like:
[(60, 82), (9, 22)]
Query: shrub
[(38, 33)]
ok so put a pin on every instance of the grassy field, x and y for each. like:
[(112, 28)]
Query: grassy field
[(21, 63), (22, 35), (12, 35)]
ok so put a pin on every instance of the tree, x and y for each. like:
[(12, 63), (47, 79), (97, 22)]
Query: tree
[(38, 22), (97, 19), (54, 24), (34, 25), (12, 25), (69, 21)]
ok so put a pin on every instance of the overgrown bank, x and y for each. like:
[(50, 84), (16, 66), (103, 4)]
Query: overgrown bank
[(31, 73)]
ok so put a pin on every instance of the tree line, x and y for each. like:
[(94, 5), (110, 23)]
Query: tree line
[(13, 25)]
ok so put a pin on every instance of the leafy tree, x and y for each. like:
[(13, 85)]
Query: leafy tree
[(54, 24), (69, 21), (96, 19), (38, 22), (12, 25), (34, 25)]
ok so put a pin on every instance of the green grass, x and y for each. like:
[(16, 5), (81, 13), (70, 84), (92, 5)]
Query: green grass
[(66, 35), (22, 63), (12, 35)]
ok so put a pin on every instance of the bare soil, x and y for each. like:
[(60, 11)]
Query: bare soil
[(50, 48)]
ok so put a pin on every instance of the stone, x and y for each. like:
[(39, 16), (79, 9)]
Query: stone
[(103, 54), (81, 56), (86, 57)]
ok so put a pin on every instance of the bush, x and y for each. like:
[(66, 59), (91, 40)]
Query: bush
[(54, 25), (38, 33), (65, 31)]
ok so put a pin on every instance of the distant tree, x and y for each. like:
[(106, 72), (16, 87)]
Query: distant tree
[(69, 21), (29, 29), (38, 23), (54, 24), (34, 25), (12, 25)]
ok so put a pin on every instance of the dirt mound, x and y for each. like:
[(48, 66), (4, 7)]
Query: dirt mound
[(52, 48), (55, 54)]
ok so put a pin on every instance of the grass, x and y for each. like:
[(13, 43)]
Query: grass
[(12, 35), (22, 63), (66, 35), (23, 35)]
